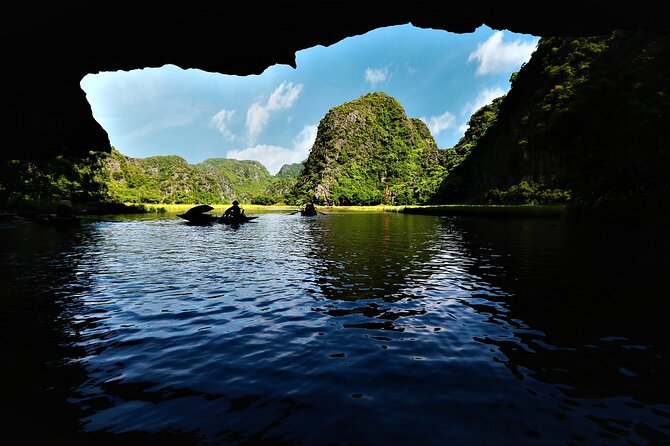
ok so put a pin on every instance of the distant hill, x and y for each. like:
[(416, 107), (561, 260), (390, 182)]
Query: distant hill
[(170, 179), (368, 152), (290, 170)]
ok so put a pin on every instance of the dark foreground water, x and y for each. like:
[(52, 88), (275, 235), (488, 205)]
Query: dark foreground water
[(355, 329)]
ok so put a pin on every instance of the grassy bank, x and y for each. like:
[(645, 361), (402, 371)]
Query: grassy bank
[(548, 211), (255, 208), (220, 208)]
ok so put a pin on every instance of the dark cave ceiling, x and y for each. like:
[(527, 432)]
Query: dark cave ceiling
[(49, 47)]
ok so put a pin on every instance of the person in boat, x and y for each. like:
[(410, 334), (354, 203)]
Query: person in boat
[(234, 212), (309, 209)]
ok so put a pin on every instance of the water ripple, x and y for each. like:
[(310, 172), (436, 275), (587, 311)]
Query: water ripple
[(365, 329)]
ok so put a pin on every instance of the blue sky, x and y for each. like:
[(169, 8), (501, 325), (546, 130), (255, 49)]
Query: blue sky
[(437, 76)]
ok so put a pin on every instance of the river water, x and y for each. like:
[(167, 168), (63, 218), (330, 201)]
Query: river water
[(347, 328)]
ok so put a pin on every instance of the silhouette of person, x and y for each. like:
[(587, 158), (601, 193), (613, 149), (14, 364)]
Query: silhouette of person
[(234, 211)]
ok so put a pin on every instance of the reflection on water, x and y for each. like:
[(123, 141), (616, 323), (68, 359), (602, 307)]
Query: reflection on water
[(340, 329)]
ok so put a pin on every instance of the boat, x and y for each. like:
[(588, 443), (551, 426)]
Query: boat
[(199, 219), (309, 210), (208, 219), (229, 220), (198, 216), (64, 217), (61, 221)]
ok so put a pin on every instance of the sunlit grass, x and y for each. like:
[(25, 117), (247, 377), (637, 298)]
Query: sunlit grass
[(448, 210), (378, 208), (251, 208), (218, 208)]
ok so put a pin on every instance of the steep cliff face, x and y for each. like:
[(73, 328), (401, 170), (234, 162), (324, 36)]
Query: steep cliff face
[(584, 114), (368, 152)]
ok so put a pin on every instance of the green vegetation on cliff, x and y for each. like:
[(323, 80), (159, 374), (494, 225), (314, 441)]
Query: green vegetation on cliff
[(585, 118), (171, 180), (28, 183), (368, 152), (478, 125)]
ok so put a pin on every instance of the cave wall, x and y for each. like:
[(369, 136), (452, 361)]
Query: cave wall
[(47, 48)]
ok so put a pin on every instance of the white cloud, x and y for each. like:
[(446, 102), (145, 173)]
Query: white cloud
[(303, 143), (497, 56), (258, 114), (376, 75), (284, 96), (438, 123), (257, 118), (221, 120), (274, 157)]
